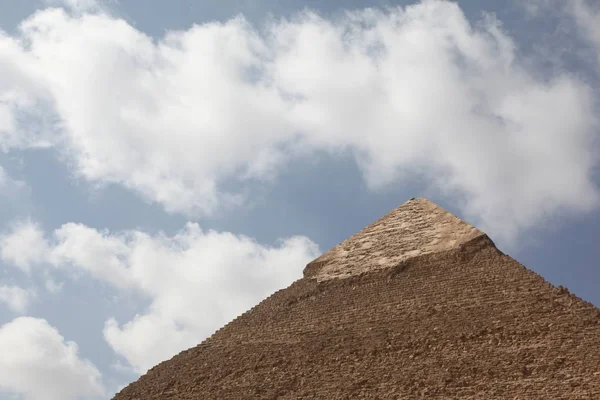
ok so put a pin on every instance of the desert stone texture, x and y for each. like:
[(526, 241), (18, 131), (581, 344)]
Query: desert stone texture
[(418, 305)]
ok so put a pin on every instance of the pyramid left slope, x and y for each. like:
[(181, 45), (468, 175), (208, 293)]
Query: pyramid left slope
[(466, 322)]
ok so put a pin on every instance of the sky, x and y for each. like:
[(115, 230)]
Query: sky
[(164, 166)]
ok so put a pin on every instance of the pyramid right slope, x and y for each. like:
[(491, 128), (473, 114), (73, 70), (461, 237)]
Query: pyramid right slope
[(460, 320)]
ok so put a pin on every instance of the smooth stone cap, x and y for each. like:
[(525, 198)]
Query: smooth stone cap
[(416, 228)]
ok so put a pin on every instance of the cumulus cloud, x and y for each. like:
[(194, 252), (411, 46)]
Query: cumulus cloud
[(16, 298), (196, 280), (408, 91), (23, 245), (448, 100), (38, 363)]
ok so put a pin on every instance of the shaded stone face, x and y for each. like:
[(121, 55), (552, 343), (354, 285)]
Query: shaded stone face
[(416, 228), (419, 305)]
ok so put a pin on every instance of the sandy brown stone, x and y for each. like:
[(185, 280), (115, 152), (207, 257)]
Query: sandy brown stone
[(419, 305), (416, 228)]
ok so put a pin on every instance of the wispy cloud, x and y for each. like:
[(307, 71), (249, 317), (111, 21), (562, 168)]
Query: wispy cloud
[(8, 185), (16, 298), (76, 5)]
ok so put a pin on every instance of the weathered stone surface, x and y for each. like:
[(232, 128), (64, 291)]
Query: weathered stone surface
[(444, 315), (416, 228)]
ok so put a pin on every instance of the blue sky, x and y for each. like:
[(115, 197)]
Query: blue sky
[(166, 165)]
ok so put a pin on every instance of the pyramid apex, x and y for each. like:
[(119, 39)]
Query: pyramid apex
[(417, 228)]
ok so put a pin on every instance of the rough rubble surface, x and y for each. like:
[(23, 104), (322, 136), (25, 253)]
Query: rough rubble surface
[(419, 305)]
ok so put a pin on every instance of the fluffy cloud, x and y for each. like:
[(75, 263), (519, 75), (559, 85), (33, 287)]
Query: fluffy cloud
[(424, 92), (16, 298), (417, 91), (24, 245), (39, 364), (197, 281)]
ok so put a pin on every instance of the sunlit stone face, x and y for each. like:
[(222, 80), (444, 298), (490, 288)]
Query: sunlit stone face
[(418, 227)]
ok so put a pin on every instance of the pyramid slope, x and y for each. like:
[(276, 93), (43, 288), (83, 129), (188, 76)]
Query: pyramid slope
[(464, 322)]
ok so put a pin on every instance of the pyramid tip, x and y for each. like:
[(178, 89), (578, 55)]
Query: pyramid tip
[(416, 228)]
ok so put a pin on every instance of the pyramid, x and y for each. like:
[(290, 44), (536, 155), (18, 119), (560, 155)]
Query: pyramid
[(418, 305)]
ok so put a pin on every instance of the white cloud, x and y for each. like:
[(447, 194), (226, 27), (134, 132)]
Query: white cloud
[(39, 364), (16, 298), (26, 115), (449, 101), (23, 245), (414, 91), (197, 281), (100, 254)]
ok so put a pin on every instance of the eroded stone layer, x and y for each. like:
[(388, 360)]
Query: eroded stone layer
[(416, 228), (467, 323)]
